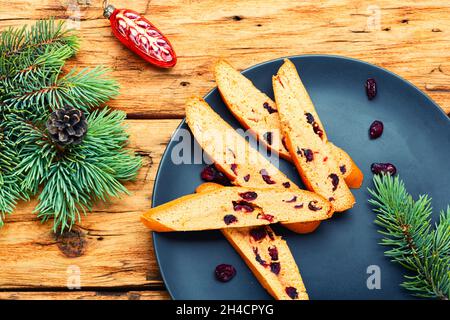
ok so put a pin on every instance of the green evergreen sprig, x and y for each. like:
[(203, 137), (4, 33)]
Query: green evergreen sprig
[(38, 38), (67, 179), (406, 226), (10, 190)]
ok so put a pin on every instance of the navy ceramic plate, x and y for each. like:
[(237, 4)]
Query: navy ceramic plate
[(334, 260)]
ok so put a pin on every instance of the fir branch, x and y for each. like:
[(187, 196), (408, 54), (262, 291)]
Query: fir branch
[(406, 227), (87, 88), (10, 191), (38, 38), (80, 175), (28, 67), (36, 150), (83, 89), (70, 178)]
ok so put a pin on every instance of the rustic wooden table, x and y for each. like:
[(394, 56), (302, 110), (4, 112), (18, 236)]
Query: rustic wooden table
[(111, 249)]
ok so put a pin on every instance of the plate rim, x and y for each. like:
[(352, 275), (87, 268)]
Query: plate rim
[(210, 92)]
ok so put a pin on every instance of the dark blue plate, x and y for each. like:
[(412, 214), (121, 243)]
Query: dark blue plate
[(334, 260)]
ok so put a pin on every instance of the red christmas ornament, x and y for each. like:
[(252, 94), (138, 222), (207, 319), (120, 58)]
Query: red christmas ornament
[(140, 36)]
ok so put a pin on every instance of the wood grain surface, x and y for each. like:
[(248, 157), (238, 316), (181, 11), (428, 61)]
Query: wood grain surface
[(110, 248)]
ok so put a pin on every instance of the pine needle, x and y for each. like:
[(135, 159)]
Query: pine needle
[(406, 226)]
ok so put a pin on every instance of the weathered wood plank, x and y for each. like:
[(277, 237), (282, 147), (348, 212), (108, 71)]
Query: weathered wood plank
[(84, 295), (411, 40), (111, 248)]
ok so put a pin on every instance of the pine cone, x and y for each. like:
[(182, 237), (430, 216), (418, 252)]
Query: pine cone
[(67, 126)]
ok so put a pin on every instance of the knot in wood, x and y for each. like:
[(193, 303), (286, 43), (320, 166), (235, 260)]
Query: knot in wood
[(71, 243)]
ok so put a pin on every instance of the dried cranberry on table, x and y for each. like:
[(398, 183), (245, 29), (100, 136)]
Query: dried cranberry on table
[(383, 168), (225, 272), (371, 88), (376, 129), (211, 174)]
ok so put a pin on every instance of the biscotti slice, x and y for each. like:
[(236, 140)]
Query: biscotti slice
[(231, 153), (253, 109), (270, 259), (232, 207), (208, 186), (257, 112), (253, 169), (317, 167), (350, 172), (267, 255)]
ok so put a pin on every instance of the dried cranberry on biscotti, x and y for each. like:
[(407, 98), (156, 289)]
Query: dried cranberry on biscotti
[(309, 155), (273, 253), (258, 233), (267, 217), (309, 118), (269, 109), (229, 219), (334, 180), (294, 198), (258, 258), (211, 174), (242, 206), (233, 168), (317, 130), (312, 205), (292, 292), (249, 195), (265, 175), (275, 267), (287, 184)]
